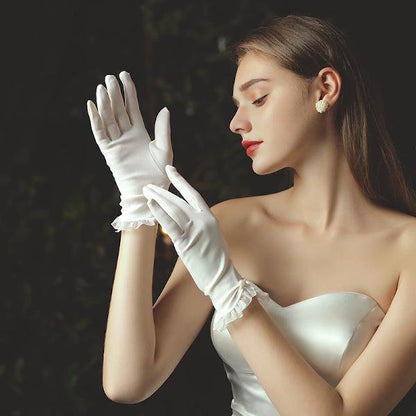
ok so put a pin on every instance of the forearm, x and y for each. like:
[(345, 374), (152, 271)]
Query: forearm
[(291, 383), (130, 334)]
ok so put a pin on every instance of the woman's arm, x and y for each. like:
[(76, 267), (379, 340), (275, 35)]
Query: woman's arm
[(130, 336), (145, 343), (293, 386)]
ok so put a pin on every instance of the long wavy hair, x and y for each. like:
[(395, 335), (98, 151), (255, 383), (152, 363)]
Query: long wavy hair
[(305, 45)]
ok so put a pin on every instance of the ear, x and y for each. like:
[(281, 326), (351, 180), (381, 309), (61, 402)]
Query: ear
[(328, 85)]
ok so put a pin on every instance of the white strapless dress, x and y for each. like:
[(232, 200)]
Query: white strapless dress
[(329, 330)]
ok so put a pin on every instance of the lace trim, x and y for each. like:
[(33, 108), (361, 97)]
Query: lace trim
[(121, 224), (250, 290)]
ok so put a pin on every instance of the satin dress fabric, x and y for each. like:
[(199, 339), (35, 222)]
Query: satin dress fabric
[(330, 331)]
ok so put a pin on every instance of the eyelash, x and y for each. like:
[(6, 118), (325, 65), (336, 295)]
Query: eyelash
[(260, 100)]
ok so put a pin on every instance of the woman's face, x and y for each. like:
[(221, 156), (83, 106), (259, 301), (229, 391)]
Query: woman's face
[(279, 112)]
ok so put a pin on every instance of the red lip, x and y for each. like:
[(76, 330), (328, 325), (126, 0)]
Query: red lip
[(250, 146), (247, 143)]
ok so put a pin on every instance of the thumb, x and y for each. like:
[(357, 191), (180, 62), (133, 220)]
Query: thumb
[(163, 130)]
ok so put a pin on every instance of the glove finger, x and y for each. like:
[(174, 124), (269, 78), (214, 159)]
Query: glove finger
[(193, 197), (161, 147), (106, 113), (163, 130), (97, 126), (132, 102), (165, 220), (117, 103), (176, 207)]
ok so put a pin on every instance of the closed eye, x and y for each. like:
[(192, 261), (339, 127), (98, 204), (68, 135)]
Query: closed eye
[(260, 100)]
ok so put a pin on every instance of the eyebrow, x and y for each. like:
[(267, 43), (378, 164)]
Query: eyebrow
[(248, 84)]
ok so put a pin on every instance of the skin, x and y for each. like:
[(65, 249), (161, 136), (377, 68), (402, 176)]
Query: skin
[(320, 236), (325, 196), (324, 220)]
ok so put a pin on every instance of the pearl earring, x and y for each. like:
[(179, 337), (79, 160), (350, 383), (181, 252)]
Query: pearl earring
[(321, 106)]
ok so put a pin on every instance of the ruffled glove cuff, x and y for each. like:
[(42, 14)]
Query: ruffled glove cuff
[(238, 298), (134, 213)]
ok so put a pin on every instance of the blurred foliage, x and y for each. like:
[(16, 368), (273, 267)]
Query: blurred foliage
[(59, 196)]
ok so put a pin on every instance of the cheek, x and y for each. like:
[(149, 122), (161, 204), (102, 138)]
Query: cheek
[(288, 122)]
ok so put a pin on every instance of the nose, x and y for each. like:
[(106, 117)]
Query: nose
[(239, 124)]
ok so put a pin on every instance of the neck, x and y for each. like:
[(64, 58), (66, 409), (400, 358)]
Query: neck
[(325, 198)]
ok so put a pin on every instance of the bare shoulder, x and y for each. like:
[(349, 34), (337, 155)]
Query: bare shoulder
[(238, 217), (230, 206), (408, 238), (407, 249), (237, 213)]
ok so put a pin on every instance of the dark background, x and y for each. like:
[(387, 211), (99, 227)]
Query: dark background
[(59, 197)]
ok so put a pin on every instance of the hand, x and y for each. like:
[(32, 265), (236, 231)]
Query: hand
[(197, 238), (133, 158)]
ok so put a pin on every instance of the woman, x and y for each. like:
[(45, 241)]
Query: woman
[(313, 287)]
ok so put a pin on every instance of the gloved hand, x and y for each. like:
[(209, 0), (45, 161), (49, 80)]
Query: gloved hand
[(197, 238), (133, 158)]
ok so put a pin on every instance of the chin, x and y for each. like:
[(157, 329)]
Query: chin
[(261, 168)]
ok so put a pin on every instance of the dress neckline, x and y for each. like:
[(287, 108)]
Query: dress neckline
[(293, 305)]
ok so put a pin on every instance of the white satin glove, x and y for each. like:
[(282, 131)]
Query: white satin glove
[(197, 238), (133, 158)]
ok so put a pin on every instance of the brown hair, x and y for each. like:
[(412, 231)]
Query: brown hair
[(305, 45)]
